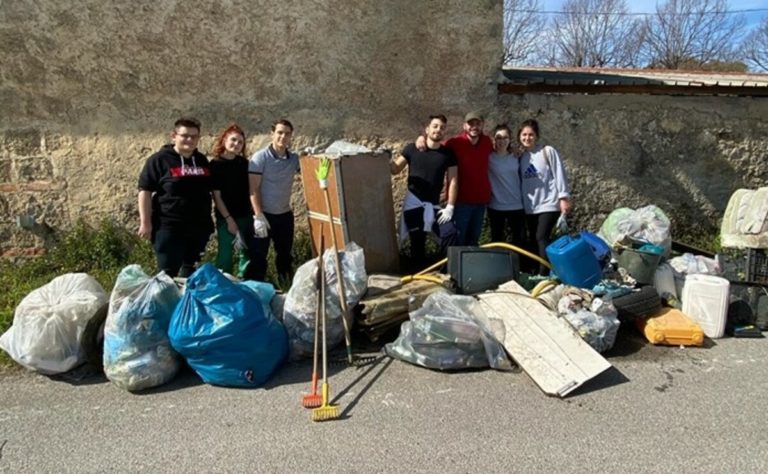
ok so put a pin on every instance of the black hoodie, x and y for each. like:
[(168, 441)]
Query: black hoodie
[(181, 188)]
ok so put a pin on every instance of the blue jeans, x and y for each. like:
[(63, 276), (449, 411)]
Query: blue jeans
[(469, 220)]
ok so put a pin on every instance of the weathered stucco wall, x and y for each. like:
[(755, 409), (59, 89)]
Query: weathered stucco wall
[(683, 154), (89, 89)]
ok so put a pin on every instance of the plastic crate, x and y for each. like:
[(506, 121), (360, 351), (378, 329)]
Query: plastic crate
[(757, 266)]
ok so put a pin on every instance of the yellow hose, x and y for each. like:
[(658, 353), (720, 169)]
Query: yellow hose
[(431, 278), (541, 286), (489, 246), (514, 248)]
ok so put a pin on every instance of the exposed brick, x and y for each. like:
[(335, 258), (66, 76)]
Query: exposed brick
[(38, 186), (22, 252)]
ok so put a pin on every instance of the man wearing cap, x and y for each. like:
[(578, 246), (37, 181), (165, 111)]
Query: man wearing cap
[(472, 149)]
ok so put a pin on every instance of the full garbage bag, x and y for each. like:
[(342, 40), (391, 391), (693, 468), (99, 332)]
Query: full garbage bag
[(221, 329), (448, 332), (646, 224), (48, 324), (137, 352), (301, 300), (595, 319)]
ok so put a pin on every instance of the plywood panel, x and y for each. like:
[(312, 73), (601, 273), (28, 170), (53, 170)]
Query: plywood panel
[(366, 214), (546, 347)]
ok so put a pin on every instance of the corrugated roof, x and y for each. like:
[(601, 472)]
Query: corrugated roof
[(515, 80)]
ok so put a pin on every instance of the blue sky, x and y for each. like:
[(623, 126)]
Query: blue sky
[(647, 6)]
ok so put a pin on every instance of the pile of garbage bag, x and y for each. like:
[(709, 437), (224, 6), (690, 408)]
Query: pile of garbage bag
[(48, 324)]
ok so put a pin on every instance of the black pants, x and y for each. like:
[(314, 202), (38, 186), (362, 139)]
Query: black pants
[(281, 234), (447, 234), (539, 229), (508, 226), (179, 248)]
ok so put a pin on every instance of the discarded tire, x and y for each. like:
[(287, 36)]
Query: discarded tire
[(638, 304)]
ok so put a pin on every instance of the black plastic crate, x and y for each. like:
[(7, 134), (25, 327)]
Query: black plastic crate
[(757, 266)]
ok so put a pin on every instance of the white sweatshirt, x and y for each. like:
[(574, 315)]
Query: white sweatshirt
[(544, 181)]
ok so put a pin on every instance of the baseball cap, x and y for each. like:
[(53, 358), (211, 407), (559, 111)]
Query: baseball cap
[(474, 115)]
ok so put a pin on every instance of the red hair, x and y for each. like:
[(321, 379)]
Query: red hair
[(218, 145)]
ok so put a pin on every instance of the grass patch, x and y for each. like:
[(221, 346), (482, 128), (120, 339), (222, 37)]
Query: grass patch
[(100, 251)]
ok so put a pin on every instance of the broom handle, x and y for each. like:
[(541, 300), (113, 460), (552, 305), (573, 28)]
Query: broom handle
[(317, 313), (323, 316), (339, 277)]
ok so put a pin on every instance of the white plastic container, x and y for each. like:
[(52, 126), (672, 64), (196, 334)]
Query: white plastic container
[(705, 300), (664, 280)]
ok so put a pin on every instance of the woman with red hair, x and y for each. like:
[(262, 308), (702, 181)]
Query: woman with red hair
[(234, 227)]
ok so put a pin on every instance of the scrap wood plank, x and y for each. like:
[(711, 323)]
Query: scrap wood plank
[(546, 347)]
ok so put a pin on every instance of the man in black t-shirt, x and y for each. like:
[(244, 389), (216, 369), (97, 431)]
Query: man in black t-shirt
[(422, 212)]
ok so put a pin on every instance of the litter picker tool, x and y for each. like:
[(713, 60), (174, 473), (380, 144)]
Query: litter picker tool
[(325, 411), (322, 177), (314, 399)]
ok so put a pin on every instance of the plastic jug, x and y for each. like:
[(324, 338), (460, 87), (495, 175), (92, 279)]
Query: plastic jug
[(705, 300), (573, 262), (599, 247)]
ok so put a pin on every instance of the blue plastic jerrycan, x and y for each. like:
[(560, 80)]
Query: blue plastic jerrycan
[(574, 262)]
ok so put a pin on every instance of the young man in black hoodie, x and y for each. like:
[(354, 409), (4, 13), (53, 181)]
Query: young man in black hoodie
[(175, 201)]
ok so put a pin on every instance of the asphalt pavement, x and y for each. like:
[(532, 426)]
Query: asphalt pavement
[(659, 409)]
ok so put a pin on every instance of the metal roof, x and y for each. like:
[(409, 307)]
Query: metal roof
[(515, 80)]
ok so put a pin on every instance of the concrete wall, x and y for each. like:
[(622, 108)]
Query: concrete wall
[(683, 154), (88, 89)]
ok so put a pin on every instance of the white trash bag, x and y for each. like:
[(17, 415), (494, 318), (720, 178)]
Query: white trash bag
[(48, 324)]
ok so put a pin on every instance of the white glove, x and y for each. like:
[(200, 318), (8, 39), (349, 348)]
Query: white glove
[(445, 215), (260, 226)]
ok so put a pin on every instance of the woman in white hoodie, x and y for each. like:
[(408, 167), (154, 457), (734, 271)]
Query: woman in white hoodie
[(544, 184)]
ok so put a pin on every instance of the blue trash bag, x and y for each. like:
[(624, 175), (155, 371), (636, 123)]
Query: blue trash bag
[(221, 330)]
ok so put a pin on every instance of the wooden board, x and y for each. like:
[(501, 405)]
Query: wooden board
[(546, 347), (361, 203)]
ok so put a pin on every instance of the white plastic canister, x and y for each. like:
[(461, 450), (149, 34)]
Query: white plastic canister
[(705, 300)]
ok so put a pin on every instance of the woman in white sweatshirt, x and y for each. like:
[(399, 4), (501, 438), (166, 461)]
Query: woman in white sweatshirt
[(544, 186)]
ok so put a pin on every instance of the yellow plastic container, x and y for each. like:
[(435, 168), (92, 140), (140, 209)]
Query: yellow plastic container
[(671, 327)]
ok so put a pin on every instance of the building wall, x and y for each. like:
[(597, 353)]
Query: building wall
[(686, 155), (89, 89)]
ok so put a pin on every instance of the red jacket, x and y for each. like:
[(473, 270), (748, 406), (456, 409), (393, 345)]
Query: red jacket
[(474, 185)]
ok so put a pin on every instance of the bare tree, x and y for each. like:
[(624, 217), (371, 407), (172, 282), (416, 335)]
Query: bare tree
[(690, 31), (755, 47), (523, 26), (595, 33)]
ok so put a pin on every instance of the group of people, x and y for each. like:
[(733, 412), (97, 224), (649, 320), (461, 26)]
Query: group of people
[(523, 186), (251, 197), (451, 184)]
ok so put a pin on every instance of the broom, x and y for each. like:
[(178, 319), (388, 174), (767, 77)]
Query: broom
[(325, 411), (313, 399), (322, 177)]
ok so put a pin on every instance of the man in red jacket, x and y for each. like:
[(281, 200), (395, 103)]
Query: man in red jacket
[(472, 149)]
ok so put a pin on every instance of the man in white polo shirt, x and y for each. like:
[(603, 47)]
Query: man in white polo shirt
[(271, 172)]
